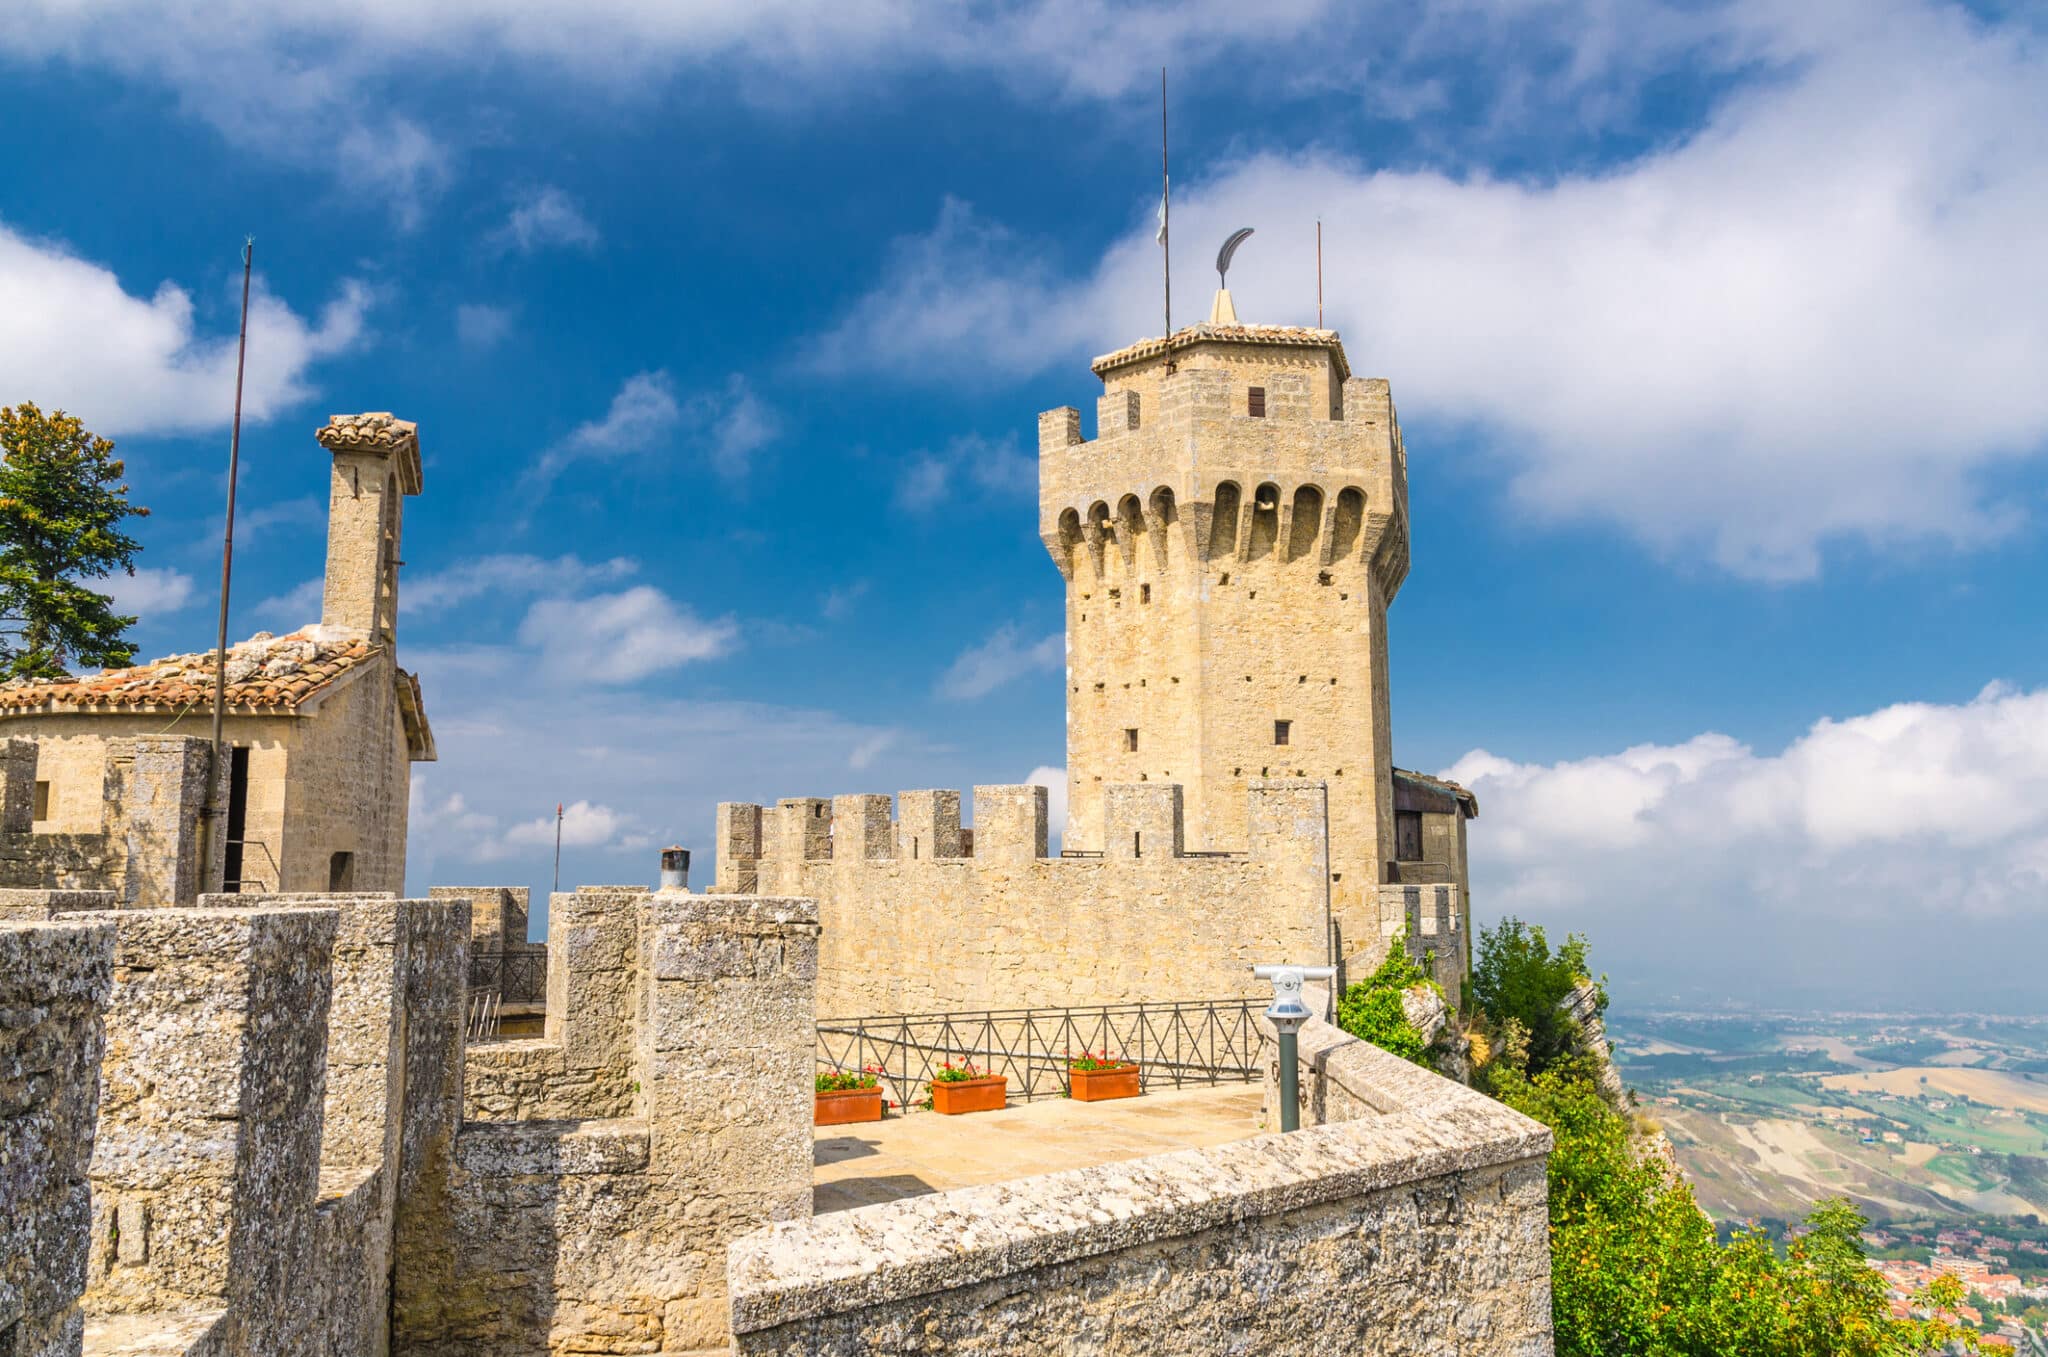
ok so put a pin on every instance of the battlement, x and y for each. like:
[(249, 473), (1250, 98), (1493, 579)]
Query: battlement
[(148, 849), (922, 914), (1144, 821)]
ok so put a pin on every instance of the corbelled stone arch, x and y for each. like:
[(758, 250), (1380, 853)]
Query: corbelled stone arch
[(1265, 521), (1222, 541), (1130, 528), (1349, 524), (1162, 517), (1096, 530), (1305, 524), (1070, 542)]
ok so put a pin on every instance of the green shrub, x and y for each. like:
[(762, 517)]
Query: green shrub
[(1371, 1010)]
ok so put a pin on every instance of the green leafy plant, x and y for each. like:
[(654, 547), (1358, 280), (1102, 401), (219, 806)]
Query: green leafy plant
[(1371, 1010), (846, 1081), (1517, 978), (61, 510), (1088, 1062), (949, 1073)]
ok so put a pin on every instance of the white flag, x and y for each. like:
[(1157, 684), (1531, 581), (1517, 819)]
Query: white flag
[(1160, 239)]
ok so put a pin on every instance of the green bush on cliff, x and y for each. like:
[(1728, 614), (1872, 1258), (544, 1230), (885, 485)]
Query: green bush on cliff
[(1371, 1010), (1636, 1269)]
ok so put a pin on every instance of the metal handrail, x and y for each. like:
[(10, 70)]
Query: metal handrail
[(1175, 1044)]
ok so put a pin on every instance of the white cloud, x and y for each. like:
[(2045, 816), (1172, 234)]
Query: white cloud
[(1796, 327), (545, 216), (726, 427), (481, 326), (509, 573), (584, 825), (1004, 656), (295, 607), (969, 464), (1054, 780), (621, 637), (839, 601), (73, 337), (873, 747), (475, 836), (148, 593), (396, 159), (1917, 826)]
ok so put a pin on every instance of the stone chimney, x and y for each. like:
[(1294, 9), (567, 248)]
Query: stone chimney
[(376, 464)]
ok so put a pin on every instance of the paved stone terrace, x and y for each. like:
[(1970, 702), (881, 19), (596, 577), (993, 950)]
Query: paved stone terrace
[(911, 1155)]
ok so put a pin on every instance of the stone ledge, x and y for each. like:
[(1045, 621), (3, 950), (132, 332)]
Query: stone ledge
[(173, 1333), (898, 1250), (41, 962), (513, 1149)]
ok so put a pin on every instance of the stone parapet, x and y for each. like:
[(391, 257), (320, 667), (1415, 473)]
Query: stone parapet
[(1420, 1229), (54, 983)]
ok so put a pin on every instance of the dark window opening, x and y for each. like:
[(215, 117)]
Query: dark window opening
[(341, 872), (1144, 593), (1281, 731), (42, 811), (238, 817), (1131, 739), (1255, 402), (1137, 843), (1408, 836)]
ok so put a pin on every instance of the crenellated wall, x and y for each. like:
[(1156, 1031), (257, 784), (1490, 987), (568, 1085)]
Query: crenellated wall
[(667, 1111), (146, 844), (911, 925)]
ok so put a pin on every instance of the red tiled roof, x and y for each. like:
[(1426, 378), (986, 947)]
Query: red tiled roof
[(1300, 336), (277, 672)]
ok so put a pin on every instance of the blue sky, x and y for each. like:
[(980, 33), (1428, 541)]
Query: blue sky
[(1716, 330)]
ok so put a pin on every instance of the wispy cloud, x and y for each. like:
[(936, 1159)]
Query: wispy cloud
[(1005, 656), (726, 427), (968, 465), (481, 326), (511, 574), (542, 217), (622, 637), (293, 608), (148, 592)]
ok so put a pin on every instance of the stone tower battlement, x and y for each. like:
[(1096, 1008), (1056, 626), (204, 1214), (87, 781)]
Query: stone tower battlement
[(922, 915), (1230, 541)]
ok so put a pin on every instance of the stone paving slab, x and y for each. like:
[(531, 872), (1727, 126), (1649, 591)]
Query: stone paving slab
[(911, 1155)]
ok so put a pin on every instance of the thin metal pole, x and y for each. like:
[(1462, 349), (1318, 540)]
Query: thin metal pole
[(227, 541), (558, 848), (1319, 273), (1166, 219)]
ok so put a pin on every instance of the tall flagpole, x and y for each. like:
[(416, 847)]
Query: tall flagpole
[(1319, 273), (1166, 219), (227, 547)]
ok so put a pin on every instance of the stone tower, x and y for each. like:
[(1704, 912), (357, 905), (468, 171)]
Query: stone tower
[(1230, 540), (376, 464)]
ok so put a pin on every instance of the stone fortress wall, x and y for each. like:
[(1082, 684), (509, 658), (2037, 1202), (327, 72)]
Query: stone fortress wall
[(1228, 563), (242, 1130), (923, 916), (143, 840)]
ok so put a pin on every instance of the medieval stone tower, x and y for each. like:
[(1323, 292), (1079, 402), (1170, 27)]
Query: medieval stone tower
[(1231, 539)]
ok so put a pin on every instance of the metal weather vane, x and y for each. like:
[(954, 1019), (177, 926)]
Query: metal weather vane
[(1223, 255)]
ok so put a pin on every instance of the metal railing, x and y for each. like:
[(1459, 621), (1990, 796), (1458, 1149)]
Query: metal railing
[(518, 977), (481, 1022), (1175, 1044)]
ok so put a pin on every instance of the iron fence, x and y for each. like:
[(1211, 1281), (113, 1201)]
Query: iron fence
[(518, 977), (481, 1022), (1174, 1044)]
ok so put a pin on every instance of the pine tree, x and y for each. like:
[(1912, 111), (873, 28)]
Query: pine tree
[(61, 510)]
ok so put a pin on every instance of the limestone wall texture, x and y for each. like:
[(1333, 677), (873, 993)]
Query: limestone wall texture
[(1414, 1224), (54, 980), (1229, 559), (607, 1233), (138, 836), (910, 926)]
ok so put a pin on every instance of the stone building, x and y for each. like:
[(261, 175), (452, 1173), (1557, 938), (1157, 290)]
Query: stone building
[(1230, 541), (322, 726)]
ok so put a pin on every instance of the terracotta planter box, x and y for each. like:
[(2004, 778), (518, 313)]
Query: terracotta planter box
[(848, 1106), (1093, 1086), (969, 1095)]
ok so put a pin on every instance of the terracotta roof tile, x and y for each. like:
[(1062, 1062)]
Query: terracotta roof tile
[(1301, 336), (277, 672)]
